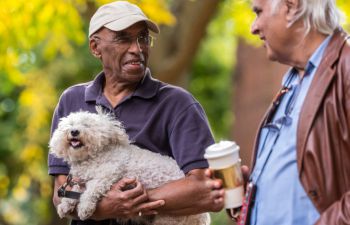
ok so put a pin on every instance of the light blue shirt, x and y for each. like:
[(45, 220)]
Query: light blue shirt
[(280, 197)]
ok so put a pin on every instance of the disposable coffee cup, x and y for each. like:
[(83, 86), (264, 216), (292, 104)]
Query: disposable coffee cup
[(223, 159)]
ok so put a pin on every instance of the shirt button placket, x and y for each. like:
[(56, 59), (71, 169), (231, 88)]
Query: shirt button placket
[(117, 112)]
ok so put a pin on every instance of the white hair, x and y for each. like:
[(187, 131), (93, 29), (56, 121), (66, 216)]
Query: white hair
[(321, 15)]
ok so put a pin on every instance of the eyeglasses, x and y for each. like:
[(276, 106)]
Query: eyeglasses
[(286, 119), (275, 103), (269, 127), (143, 40)]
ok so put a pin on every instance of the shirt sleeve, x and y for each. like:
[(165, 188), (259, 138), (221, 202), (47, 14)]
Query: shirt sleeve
[(56, 165), (189, 137)]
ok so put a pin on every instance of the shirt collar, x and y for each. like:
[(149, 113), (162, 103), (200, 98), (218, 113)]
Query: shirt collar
[(316, 57), (311, 65), (147, 88)]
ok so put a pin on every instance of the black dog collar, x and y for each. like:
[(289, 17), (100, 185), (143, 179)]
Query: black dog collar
[(63, 193)]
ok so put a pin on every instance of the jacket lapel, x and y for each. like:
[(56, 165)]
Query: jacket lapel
[(319, 85)]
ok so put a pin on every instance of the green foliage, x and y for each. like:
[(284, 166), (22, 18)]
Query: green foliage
[(345, 8), (32, 35), (220, 218), (242, 18), (211, 73)]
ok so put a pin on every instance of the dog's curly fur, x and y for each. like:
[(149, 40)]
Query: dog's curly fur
[(98, 151)]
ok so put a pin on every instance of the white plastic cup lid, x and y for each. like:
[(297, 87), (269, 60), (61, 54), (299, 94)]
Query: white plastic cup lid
[(221, 149)]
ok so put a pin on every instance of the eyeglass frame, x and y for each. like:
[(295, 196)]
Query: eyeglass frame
[(127, 40), (275, 126), (291, 101), (275, 104)]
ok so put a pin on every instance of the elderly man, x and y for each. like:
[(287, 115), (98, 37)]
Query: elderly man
[(301, 166), (157, 116)]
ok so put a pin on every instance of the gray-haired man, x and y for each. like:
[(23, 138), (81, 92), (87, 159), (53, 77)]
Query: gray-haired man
[(301, 163)]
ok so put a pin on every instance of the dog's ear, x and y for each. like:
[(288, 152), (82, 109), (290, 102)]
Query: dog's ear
[(121, 136), (59, 152), (57, 147), (119, 133), (99, 110)]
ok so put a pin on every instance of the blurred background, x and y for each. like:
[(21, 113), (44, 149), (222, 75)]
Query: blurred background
[(204, 46)]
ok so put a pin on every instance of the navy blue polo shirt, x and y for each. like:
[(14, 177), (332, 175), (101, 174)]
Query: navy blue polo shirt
[(157, 116)]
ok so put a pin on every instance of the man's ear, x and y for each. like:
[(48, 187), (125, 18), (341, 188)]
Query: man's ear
[(94, 48), (292, 9)]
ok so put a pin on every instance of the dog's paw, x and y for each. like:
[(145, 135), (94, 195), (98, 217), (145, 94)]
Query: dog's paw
[(84, 212), (62, 211)]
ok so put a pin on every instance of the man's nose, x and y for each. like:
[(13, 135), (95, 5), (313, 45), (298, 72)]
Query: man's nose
[(135, 46), (254, 28)]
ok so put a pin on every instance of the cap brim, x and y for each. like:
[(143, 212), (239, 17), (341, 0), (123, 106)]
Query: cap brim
[(126, 22)]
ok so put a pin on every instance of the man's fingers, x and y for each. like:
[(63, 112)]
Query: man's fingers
[(245, 172), (141, 198), (137, 191), (219, 201), (148, 213), (132, 192), (218, 193), (124, 184), (214, 183), (150, 208), (208, 173)]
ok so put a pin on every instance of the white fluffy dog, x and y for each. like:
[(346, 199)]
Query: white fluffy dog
[(99, 152)]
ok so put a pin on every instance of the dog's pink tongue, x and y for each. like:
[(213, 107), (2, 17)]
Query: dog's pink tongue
[(75, 143)]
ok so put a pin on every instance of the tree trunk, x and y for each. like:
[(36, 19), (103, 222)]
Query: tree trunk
[(176, 46), (256, 82)]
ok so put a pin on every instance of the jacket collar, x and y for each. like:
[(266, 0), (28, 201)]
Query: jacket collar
[(319, 85)]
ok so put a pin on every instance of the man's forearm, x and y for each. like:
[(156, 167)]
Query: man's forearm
[(59, 180), (193, 194)]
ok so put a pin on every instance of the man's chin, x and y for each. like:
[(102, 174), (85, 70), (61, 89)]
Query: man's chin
[(135, 77), (273, 59), (271, 56)]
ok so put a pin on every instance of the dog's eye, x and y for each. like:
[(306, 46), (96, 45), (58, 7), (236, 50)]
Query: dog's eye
[(85, 125)]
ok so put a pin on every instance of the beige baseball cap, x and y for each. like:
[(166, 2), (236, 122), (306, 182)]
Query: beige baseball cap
[(118, 16)]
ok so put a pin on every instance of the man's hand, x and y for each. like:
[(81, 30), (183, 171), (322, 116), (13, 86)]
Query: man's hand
[(196, 193), (245, 174), (126, 199)]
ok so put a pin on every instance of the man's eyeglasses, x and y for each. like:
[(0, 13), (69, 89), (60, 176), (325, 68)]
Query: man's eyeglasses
[(268, 126), (275, 103), (143, 40), (286, 118)]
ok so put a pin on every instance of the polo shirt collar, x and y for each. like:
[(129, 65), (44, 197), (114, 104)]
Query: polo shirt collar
[(147, 88)]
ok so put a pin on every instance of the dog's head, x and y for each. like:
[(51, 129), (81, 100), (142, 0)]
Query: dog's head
[(83, 135)]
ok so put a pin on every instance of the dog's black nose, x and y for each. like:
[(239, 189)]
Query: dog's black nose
[(74, 133)]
